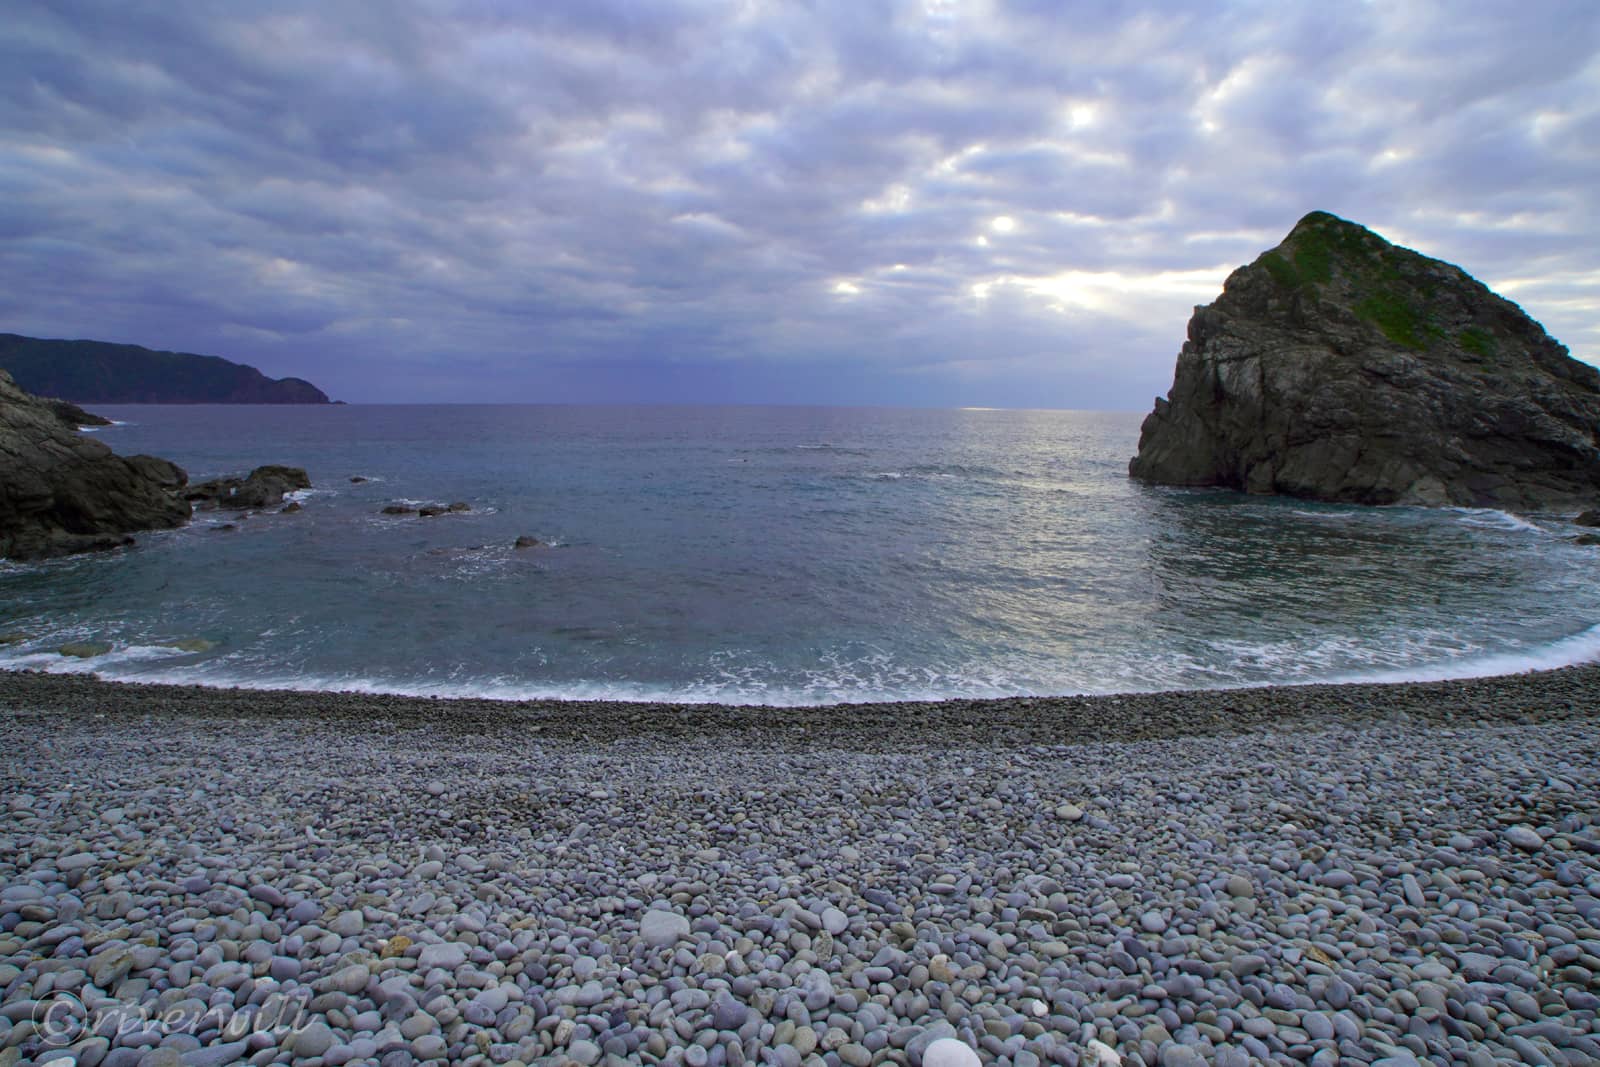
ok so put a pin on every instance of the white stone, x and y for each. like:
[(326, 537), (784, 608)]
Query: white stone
[(948, 1052), (835, 921), (1105, 1054)]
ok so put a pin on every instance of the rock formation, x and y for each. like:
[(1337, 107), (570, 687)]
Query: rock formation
[(98, 372), (73, 415), (263, 487), (1340, 367), (61, 492)]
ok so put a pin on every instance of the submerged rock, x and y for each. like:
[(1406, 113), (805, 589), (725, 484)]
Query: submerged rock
[(263, 487), (1340, 367), (84, 649), (399, 509), (525, 541), (61, 492)]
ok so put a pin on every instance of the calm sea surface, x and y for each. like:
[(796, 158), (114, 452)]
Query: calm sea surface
[(779, 555)]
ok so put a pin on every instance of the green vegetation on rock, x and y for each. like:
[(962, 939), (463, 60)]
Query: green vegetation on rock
[(1281, 269), (1478, 341), (1313, 258), (1395, 316), (1304, 378)]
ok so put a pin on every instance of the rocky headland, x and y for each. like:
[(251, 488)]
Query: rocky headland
[(61, 492), (99, 372), (1340, 367)]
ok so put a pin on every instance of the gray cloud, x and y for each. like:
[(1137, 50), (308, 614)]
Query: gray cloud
[(944, 202)]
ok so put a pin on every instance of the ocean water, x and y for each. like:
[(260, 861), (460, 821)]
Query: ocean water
[(779, 556)]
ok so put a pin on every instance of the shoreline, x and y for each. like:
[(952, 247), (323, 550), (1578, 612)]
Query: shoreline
[(1560, 694), (1387, 874)]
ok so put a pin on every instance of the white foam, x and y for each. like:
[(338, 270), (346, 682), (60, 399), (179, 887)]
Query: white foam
[(1568, 652), (44, 656), (737, 677), (1326, 516), (1496, 519)]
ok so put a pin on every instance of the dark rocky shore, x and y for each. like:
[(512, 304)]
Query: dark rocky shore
[(1323, 875)]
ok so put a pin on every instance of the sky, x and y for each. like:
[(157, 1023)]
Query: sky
[(1008, 203)]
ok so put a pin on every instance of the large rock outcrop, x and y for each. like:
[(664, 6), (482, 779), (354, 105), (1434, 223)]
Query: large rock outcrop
[(61, 492), (263, 487), (1340, 367)]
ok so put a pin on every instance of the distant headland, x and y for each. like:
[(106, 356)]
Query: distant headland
[(99, 372)]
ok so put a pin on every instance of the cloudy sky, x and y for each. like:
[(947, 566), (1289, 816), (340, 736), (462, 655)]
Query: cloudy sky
[(936, 202)]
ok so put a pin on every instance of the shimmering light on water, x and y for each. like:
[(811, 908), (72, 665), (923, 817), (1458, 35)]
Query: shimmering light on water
[(780, 555)]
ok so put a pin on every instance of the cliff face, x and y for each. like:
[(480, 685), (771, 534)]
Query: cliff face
[(1340, 367), (95, 372), (61, 492)]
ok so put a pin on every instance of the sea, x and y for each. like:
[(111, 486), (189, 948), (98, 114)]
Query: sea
[(777, 556)]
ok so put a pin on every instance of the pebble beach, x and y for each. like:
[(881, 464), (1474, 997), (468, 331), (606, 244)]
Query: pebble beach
[(1385, 874)]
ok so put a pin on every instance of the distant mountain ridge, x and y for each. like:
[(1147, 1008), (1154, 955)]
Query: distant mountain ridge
[(100, 372)]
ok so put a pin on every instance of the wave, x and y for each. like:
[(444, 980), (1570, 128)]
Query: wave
[(836, 680), (1570, 651), (1327, 516), (1496, 519)]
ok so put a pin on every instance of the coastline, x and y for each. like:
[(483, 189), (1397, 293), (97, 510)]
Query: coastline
[(1543, 696), (1388, 873)]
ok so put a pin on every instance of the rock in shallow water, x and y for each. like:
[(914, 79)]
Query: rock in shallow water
[(1340, 367), (61, 492)]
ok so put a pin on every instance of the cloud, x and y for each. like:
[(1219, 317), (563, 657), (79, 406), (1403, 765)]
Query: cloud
[(742, 200)]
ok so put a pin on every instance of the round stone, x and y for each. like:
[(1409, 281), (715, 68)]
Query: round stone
[(948, 1052), (663, 928), (584, 1052), (314, 1040), (1525, 837)]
